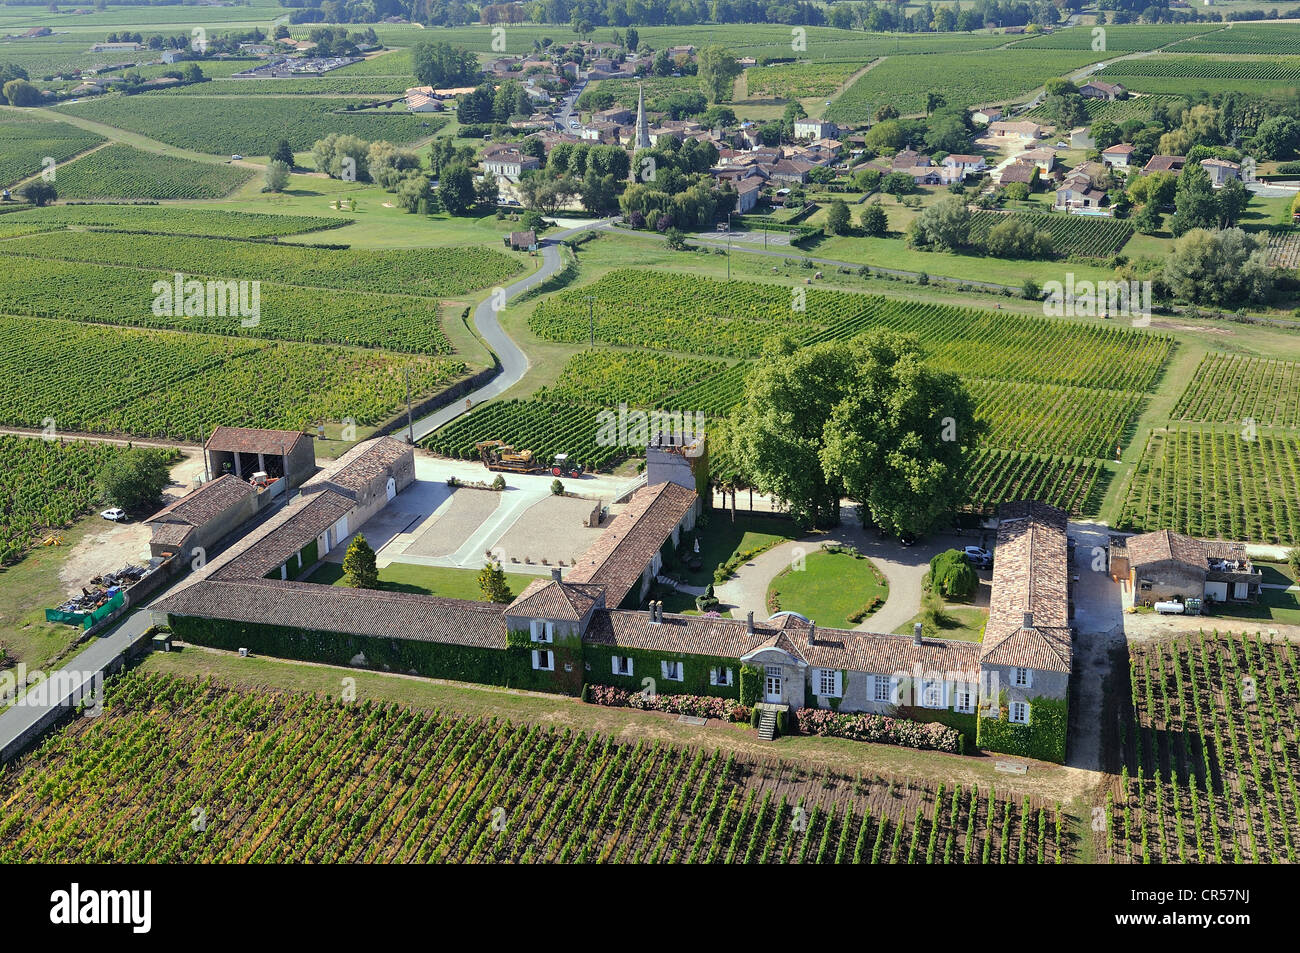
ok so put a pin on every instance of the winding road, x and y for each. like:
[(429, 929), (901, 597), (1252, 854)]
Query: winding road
[(512, 361)]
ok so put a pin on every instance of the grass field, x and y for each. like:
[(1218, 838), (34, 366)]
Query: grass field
[(439, 788), (121, 172), (838, 590)]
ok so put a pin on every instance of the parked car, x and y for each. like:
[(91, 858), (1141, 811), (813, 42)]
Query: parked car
[(978, 556), (235, 158), (116, 514)]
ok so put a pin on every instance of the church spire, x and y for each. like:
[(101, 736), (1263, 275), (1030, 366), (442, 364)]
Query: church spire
[(642, 129)]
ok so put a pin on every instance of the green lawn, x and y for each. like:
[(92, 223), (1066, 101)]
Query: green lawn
[(722, 540), (963, 623), (829, 589), (1277, 574), (426, 580), (1275, 605)]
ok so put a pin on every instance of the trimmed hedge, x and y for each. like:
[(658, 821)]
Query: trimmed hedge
[(509, 667), (645, 664), (1043, 738)]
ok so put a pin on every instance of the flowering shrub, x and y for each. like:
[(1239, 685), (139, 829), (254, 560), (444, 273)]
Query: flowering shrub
[(701, 706), (880, 729)]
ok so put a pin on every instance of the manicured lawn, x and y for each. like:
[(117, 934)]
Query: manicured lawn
[(722, 540), (426, 580), (829, 588), (1277, 574), (1275, 605), (963, 624)]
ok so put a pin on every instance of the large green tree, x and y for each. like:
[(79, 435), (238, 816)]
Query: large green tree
[(134, 479), (867, 419), (359, 568), (1226, 267), (440, 64), (717, 73)]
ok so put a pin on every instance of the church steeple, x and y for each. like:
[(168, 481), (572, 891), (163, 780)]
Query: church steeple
[(642, 128)]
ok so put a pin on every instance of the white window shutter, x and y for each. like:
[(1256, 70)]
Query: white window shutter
[(839, 684), (1029, 678), (613, 661), (534, 658)]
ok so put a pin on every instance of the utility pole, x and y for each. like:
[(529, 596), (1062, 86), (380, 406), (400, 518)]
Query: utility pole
[(410, 427)]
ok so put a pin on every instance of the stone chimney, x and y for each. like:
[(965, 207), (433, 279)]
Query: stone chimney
[(749, 623), (916, 634), (555, 573), (1028, 622), (812, 633)]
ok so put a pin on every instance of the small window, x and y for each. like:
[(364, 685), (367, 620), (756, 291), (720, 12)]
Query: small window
[(965, 701), (543, 660), (622, 664), (932, 694), (828, 682), (1145, 586), (672, 671), (883, 692), (1020, 712), (1021, 679), (543, 631), (720, 676)]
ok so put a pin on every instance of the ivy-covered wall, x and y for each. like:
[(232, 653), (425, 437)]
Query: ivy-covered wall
[(511, 667), (695, 671), (1043, 738)]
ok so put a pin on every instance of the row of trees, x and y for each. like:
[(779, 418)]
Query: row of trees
[(401, 172)]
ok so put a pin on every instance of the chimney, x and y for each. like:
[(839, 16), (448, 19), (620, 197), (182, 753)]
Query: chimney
[(749, 623), (812, 633), (555, 573), (1029, 621), (916, 634)]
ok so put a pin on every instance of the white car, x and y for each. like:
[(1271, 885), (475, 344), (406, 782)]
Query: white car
[(235, 158), (978, 556), (116, 514)]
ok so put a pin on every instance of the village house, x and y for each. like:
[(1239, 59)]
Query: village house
[(1023, 172), (815, 129), (1118, 155), (522, 241), (1165, 566), (1028, 131), (507, 160), (420, 99), (982, 117), (748, 191), (1078, 193), (1043, 157), (957, 166), (1220, 171), (200, 518), (1172, 164), (1096, 89)]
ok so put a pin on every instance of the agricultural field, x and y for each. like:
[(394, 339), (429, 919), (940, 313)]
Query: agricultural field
[(26, 141), (998, 476), (798, 80), (636, 378), (1082, 236), (1235, 389), (346, 783), (121, 172), (181, 386), (1116, 110), (334, 84), (123, 295), (1187, 86), (1272, 69), (1130, 38), (45, 485), (249, 125), (1217, 484), (1208, 754), (163, 220), (995, 76), (1055, 419), (1284, 248), (1245, 38), (432, 272)]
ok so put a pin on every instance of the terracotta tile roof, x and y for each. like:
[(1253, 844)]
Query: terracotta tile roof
[(1164, 164), (306, 605), (170, 534), (620, 554), (254, 440), (1166, 545), (357, 468), (281, 536), (1120, 148), (1017, 172), (688, 634), (548, 599), (1029, 624), (204, 503)]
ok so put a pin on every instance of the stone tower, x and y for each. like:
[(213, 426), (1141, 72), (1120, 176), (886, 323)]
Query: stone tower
[(642, 128)]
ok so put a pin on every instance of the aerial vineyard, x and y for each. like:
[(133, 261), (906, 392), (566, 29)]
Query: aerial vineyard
[(1269, 69), (545, 426), (45, 485), (636, 378), (1053, 419), (163, 220), (121, 172), (1219, 484), (249, 125), (998, 476), (334, 84), (1122, 38), (1263, 39), (163, 384), (25, 142), (1084, 236), (985, 77), (1235, 389), (433, 272), (798, 80), (120, 295), (1208, 746), (279, 778)]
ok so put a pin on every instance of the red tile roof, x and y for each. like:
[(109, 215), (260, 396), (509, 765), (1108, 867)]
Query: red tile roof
[(205, 502), (254, 440), (1029, 612)]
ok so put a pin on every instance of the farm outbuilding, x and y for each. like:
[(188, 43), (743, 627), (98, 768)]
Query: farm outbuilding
[(244, 451), (1166, 566)]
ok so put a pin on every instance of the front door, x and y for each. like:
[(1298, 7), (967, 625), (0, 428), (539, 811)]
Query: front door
[(392, 488), (773, 694)]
